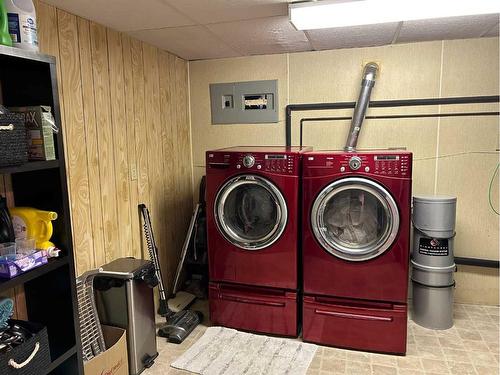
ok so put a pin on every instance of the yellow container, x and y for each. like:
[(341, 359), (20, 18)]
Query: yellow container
[(32, 223)]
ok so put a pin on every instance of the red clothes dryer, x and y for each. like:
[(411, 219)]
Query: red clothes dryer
[(356, 237), (252, 226)]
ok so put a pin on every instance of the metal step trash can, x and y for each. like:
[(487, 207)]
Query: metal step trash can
[(124, 298)]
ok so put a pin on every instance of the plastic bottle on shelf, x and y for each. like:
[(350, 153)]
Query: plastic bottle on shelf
[(32, 223), (5, 38), (22, 24)]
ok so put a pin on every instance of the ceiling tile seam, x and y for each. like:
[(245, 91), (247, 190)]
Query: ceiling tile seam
[(194, 23), (489, 29), (199, 24), (397, 32), (246, 19), (207, 29), (232, 48)]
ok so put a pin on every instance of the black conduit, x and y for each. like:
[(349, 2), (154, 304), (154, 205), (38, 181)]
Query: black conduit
[(488, 263), (398, 103)]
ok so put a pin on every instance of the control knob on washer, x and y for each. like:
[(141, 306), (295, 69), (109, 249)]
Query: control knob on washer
[(354, 163), (248, 161)]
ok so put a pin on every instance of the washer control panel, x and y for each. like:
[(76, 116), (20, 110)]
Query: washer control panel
[(280, 163), (276, 163), (248, 161), (384, 163), (355, 163)]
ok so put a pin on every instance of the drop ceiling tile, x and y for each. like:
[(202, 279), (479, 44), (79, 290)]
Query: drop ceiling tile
[(446, 28), (216, 11), (126, 15), (189, 42), (350, 37), (261, 36)]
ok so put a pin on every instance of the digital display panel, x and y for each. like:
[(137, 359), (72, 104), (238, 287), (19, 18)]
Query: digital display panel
[(386, 157), (274, 157)]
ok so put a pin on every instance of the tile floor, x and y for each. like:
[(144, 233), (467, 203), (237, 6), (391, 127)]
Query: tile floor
[(470, 347)]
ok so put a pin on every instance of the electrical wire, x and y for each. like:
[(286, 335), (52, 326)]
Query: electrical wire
[(491, 188)]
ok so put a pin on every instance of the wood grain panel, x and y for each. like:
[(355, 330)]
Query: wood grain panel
[(166, 109), (183, 138), (119, 103), (71, 89), (140, 127), (116, 80), (107, 172), (91, 140), (136, 232), (155, 149)]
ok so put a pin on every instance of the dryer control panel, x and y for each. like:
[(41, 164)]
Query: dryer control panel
[(384, 163), (287, 164)]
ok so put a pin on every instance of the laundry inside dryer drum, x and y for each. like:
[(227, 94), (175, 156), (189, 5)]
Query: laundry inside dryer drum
[(251, 211), (355, 218)]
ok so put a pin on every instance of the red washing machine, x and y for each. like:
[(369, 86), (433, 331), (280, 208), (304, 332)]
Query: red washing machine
[(356, 238), (252, 225)]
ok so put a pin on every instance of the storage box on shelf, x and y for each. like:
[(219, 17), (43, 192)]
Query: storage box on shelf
[(29, 79)]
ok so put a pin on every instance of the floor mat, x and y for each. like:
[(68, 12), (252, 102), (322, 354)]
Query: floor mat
[(228, 351)]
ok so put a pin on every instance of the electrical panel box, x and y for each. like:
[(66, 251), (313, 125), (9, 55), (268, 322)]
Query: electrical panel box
[(244, 102)]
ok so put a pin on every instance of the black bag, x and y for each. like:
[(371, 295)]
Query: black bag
[(35, 352), (13, 144)]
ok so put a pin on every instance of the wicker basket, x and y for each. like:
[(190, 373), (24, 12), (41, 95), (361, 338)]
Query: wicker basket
[(13, 145), (30, 358)]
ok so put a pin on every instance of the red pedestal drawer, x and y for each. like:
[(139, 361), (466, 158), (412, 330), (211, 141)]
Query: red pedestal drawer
[(355, 324), (255, 309)]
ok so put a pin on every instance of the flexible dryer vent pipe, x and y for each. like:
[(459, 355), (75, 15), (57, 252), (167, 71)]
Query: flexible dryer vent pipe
[(369, 74)]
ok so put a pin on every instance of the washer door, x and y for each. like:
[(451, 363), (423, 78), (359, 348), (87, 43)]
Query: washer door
[(355, 219), (250, 212)]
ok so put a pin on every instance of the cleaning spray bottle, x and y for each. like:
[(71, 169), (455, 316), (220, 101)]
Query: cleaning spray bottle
[(5, 38), (22, 24), (36, 224)]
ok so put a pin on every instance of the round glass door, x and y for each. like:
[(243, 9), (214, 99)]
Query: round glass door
[(250, 212), (355, 219)]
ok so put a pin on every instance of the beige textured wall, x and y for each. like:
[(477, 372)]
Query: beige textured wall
[(465, 147)]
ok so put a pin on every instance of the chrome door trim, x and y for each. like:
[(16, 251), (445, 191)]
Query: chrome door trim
[(229, 234), (371, 250)]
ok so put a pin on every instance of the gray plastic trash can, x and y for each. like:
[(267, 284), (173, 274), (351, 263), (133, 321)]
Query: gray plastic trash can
[(433, 263)]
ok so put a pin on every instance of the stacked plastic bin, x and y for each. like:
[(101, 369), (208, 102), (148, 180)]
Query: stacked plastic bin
[(433, 263)]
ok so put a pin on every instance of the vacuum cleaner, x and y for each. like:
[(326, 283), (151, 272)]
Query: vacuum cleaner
[(179, 324)]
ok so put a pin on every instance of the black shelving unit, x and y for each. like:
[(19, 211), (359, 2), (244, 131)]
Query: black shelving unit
[(26, 79)]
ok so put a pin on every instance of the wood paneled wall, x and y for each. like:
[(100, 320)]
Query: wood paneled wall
[(127, 137)]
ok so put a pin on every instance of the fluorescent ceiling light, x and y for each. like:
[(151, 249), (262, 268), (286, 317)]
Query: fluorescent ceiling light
[(338, 13)]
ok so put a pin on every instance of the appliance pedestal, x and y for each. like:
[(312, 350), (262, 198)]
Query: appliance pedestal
[(355, 324), (255, 309)]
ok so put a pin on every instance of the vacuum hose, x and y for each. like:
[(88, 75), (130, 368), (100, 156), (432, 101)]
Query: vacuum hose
[(369, 75)]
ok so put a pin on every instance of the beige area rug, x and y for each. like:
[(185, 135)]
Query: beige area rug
[(228, 351)]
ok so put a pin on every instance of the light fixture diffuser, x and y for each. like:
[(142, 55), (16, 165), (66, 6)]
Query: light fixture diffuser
[(335, 13)]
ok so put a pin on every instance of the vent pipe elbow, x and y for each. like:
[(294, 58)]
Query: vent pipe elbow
[(370, 72)]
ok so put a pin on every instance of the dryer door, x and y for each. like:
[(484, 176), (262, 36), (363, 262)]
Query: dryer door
[(250, 212), (355, 219)]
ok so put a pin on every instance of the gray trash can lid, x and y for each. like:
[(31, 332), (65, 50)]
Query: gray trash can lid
[(434, 199), (127, 268)]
